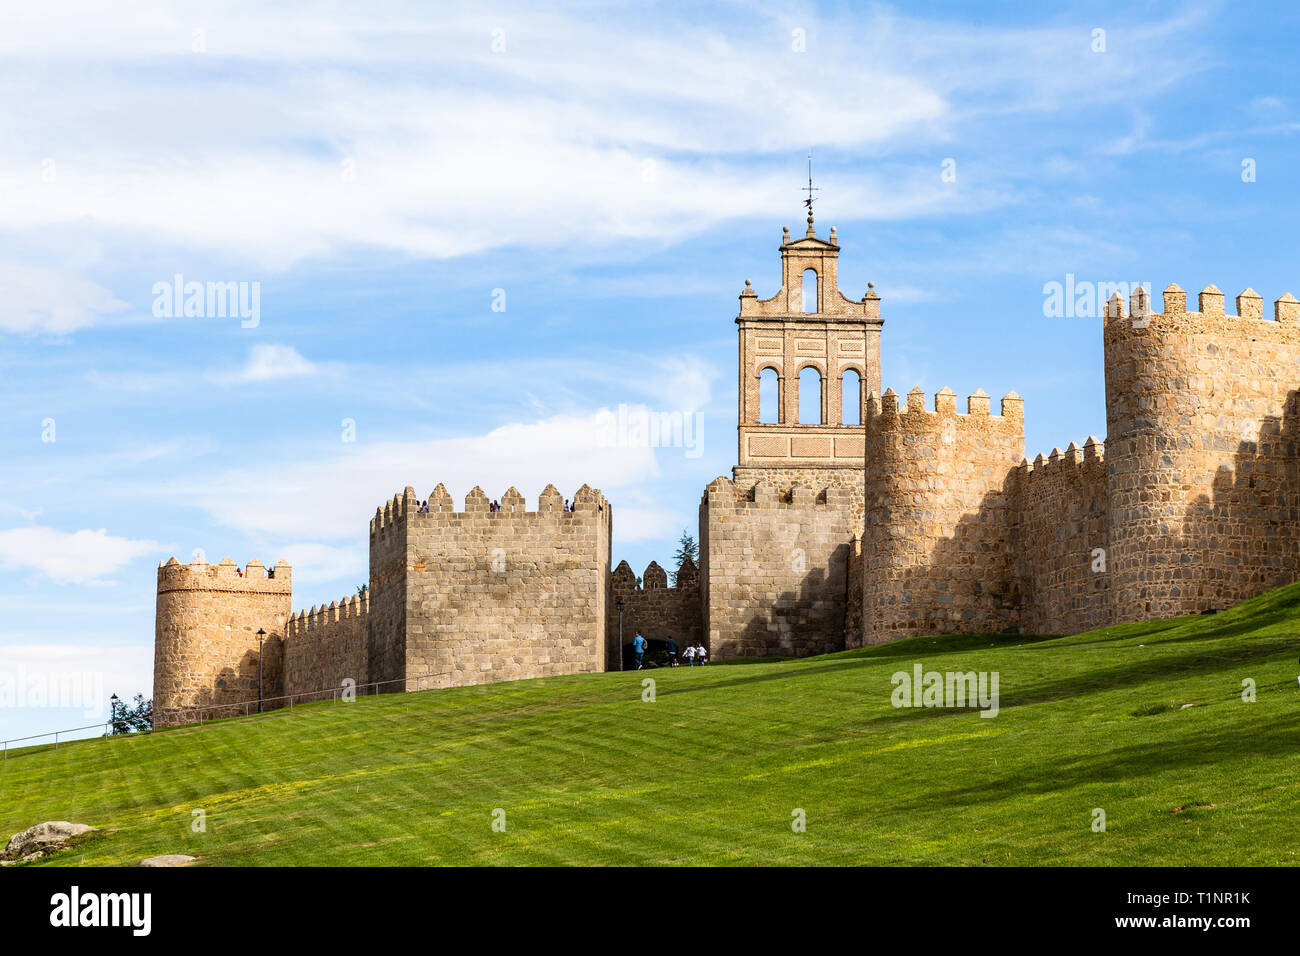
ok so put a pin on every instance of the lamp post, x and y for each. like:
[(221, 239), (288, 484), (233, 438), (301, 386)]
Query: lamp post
[(113, 704), (261, 635), (620, 633)]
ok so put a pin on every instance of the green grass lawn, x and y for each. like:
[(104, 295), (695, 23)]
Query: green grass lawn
[(710, 773)]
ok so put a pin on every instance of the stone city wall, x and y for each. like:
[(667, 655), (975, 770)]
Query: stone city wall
[(327, 645), (775, 568)]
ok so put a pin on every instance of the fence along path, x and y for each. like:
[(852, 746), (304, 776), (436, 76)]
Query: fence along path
[(245, 708)]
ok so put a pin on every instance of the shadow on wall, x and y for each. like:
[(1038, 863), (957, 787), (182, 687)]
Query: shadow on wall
[(1240, 540), (233, 688), (1009, 566), (964, 585), (802, 622)]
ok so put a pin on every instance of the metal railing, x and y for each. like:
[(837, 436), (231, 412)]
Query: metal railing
[(205, 713), (107, 725)]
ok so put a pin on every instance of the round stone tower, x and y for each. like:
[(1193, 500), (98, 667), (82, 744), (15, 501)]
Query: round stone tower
[(206, 655), (1200, 451)]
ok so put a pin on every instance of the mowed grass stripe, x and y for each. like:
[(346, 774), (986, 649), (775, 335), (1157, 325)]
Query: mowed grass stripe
[(711, 771)]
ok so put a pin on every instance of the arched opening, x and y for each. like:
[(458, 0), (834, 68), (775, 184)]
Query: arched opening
[(769, 395), (851, 398), (810, 396), (809, 294)]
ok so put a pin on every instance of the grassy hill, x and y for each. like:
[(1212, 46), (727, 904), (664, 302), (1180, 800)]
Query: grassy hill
[(711, 771)]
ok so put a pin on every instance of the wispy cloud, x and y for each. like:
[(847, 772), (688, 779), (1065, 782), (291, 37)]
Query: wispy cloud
[(41, 300), (76, 557), (268, 363), (371, 147)]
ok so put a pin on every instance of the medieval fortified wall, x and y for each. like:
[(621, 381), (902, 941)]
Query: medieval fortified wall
[(880, 519)]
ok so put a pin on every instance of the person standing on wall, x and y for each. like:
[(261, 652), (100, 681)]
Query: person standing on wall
[(638, 649)]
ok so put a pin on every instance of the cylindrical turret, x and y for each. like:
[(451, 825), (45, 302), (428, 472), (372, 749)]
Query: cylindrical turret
[(936, 553), (1200, 452), (205, 637)]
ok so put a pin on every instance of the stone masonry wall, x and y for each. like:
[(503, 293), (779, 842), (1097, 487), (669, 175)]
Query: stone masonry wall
[(386, 618), (1061, 510), (1201, 449), (937, 550), (494, 596), (327, 645), (850, 479), (205, 637), (774, 568)]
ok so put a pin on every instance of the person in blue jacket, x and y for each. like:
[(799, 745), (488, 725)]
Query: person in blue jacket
[(638, 649)]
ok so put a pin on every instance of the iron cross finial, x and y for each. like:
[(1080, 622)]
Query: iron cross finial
[(810, 188)]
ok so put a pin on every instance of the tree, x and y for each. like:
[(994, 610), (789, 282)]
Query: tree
[(124, 719), (686, 549), (363, 588)]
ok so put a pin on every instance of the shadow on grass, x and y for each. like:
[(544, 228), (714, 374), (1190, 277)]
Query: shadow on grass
[(1190, 752)]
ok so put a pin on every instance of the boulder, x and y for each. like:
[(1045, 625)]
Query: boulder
[(35, 842)]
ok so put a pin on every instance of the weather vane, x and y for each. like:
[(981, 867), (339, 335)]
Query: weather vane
[(810, 187)]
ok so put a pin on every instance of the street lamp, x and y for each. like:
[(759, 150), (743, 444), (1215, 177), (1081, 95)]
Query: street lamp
[(261, 635), (620, 633), (113, 704)]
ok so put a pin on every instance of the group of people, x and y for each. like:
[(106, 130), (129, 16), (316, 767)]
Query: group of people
[(696, 655), (493, 506)]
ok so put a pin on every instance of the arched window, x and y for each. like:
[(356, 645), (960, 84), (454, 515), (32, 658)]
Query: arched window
[(851, 398), (769, 395), (810, 396), (809, 295)]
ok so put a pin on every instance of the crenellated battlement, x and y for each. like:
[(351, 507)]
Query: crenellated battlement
[(725, 493), (550, 506), (1209, 317), (623, 578), (198, 575), (1093, 450), (883, 411), (310, 623)]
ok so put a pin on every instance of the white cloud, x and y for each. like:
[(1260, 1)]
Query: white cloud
[(70, 557), (38, 300), (268, 363), (408, 133), (314, 564), (331, 497)]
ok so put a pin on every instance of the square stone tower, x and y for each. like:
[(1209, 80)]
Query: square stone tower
[(809, 323), (777, 544)]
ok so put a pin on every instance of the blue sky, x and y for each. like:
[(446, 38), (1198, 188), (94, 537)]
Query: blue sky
[(385, 174)]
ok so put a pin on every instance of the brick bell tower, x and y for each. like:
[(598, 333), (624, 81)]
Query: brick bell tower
[(809, 323)]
